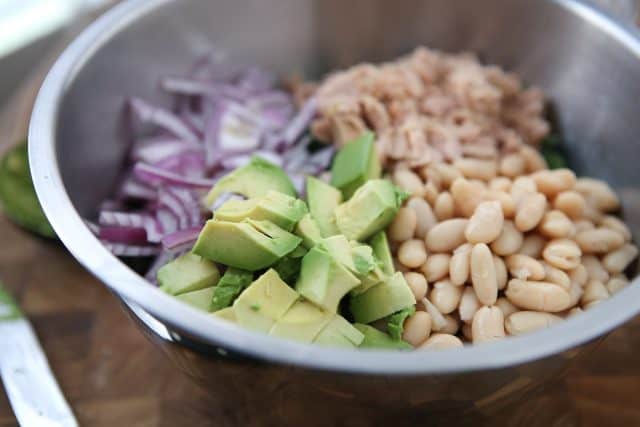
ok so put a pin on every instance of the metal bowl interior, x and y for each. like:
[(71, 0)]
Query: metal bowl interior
[(585, 62)]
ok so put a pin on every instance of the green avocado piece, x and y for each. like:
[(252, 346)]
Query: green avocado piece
[(371, 279), (382, 251), (307, 228), (288, 268), (283, 210), (374, 338), (339, 333), (302, 322), (264, 302), (187, 273), (254, 179), (382, 299), (17, 195), (356, 163), (395, 322), (248, 245), (324, 280), (226, 313), (338, 246), (230, 285), (200, 299), (371, 209), (323, 199)]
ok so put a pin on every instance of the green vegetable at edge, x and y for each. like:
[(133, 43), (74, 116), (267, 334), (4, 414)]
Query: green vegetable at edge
[(231, 284), (552, 150), (395, 324), (17, 195)]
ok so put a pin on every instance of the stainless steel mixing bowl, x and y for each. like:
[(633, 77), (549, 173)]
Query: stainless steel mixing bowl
[(587, 64)]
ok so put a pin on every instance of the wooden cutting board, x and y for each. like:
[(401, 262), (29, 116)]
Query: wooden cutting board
[(113, 376)]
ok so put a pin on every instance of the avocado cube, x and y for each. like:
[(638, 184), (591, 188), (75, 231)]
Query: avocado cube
[(339, 333), (302, 322), (371, 209), (187, 273), (307, 228), (230, 285), (382, 251), (356, 163), (371, 279), (282, 210), (254, 179), (373, 338), (323, 200), (324, 280), (247, 245), (382, 299), (227, 313), (200, 299), (363, 259), (338, 246), (264, 302)]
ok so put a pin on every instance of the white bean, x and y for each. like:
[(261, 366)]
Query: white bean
[(447, 235), (441, 342), (532, 245), (487, 325), (483, 274), (485, 224), (444, 207), (524, 267), (524, 322), (552, 182), (469, 304), (425, 218), (409, 181), (555, 224), (616, 283), (436, 267), (599, 193), (403, 225), (507, 308), (571, 203), (460, 264), (445, 296), (530, 211), (412, 253), (618, 260), (417, 328), (538, 296), (599, 240), (417, 283), (594, 290), (501, 272), (562, 253)]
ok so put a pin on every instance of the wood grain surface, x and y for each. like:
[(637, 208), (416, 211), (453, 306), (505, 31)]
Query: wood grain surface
[(113, 376)]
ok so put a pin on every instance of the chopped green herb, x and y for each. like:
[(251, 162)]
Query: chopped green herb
[(395, 323), (255, 307), (231, 284), (288, 268)]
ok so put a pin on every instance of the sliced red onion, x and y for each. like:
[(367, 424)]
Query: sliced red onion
[(186, 238), (126, 235), (156, 177), (300, 121), (256, 80), (162, 118), (299, 183), (190, 204), (187, 164), (167, 220), (124, 250), (323, 157), (132, 189), (131, 220), (192, 87), (231, 129), (153, 152), (235, 162), (174, 205)]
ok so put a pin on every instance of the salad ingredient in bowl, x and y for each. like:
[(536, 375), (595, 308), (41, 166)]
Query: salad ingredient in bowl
[(437, 221)]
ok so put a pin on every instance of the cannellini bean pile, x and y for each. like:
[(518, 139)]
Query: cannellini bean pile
[(490, 249)]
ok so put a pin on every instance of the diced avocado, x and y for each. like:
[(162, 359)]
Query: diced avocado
[(230, 285), (323, 200), (371, 209), (254, 179), (382, 300), (338, 246), (308, 229), (248, 245), (363, 259), (226, 313), (264, 302), (298, 252), (187, 273), (356, 163), (339, 333), (302, 322), (200, 299), (324, 280), (382, 251), (282, 210), (374, 338), (369, 280)]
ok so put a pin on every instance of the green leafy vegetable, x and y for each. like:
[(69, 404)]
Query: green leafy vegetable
[(288, 268), (231, 284), (17, 195), (395, 324), (552, 150)]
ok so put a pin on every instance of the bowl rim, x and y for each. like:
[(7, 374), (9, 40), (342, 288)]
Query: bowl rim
[(87, 249)]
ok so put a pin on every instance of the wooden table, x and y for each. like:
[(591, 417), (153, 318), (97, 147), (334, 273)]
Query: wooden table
[(113, 376)]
